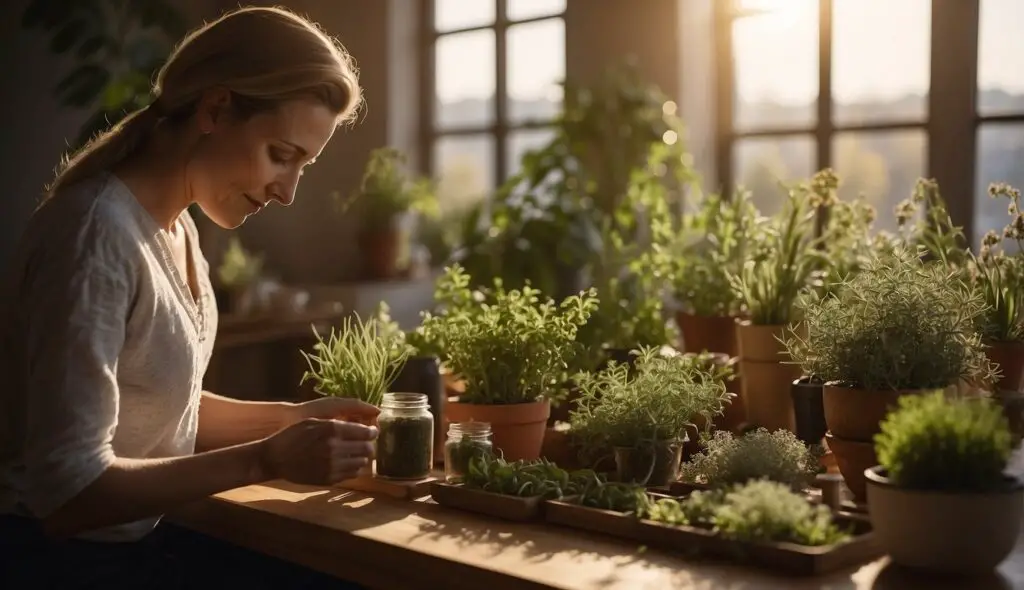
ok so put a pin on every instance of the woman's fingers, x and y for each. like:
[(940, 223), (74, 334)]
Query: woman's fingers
[(353, 431)]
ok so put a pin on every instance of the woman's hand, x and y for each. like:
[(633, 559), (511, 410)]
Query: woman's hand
[(333, 408), (318, 451)]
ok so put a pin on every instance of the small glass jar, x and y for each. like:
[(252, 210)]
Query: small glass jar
[(466, 440), (405, 440)]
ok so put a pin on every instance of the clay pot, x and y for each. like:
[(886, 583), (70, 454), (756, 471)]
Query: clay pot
[(945, 532), (855, 414), (1010, 358), (761, 343), (767, 393), (559, 450), (650, 466), (852, 457), (380, 248), (708, 333), (518, 429), (808, 410)]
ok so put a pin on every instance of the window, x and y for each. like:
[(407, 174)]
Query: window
[(818, 83), (1000, 104), (497, 68)]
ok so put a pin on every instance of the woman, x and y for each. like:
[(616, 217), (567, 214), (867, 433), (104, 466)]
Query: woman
[(108, 320)]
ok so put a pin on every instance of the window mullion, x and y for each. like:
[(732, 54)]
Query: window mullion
[(501, 91)]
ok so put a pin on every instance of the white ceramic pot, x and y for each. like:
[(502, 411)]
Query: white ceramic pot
[(946, 532)]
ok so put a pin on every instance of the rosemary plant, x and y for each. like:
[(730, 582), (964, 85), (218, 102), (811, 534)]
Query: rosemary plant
[(360, 361)]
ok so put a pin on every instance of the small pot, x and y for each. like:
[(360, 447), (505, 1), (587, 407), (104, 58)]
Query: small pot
[(945, 532), (707, 333), (809, 410), (655, 465), (856, 414), (761, 343), (380, 249), (518, 429), (423, 375), (1010, 358), (1012, 403), (852, 458), (767, 393)]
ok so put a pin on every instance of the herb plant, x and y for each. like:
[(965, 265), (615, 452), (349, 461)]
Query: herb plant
[(653, 404), (512, 347), (932, 443), (778, 456), (239, 267), (933, 233), (358, 361), (999, 275), (540, 477), (758, 511), (788, 260), (620, 497), (386, 191), (460, 453), (899, 324)]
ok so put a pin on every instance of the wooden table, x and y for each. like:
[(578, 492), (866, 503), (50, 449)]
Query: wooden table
[(392, 544)]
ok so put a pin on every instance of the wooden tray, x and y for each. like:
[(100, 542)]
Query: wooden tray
[(783, 557), (497, 505), (401, 489)]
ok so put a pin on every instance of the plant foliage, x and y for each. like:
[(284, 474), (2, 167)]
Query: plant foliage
[(778, 456), (386, 191), (999, 275), (541, 477), (239, 267), (930, 442)]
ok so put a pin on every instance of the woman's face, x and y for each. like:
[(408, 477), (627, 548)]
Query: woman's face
[(240, 166)]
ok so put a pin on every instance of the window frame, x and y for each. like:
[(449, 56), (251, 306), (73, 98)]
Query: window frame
[(501, 128)]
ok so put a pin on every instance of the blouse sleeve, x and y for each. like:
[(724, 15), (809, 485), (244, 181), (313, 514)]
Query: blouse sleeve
[(76, 303)]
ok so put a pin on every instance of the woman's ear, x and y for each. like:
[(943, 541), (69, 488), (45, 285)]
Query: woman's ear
[(213, 109)]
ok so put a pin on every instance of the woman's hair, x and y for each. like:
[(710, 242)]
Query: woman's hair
[(263, 56)]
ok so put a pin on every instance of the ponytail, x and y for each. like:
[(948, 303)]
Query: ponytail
[(107, 149)]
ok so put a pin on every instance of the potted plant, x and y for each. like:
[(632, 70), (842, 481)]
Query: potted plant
[(1000, 278), (239, 271), (359, 360), (512, 351), (778, 456), (901, 325), (385, 196), (939, 498), (643, 415)]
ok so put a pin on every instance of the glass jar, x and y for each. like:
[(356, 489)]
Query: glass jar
[(466, 440), (405, 440)]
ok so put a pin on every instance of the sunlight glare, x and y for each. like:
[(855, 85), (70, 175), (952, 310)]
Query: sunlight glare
[(777, 14)]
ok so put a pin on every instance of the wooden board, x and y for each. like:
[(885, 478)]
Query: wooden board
[(788, 558), (401, 489), (498, 505)]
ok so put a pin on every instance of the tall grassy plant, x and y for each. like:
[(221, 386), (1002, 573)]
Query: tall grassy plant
[(999, 275)]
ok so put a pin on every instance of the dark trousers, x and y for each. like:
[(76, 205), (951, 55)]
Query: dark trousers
[(168, 558)]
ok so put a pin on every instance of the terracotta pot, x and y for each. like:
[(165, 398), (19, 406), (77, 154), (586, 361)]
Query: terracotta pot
[(852, 457), (761, 343), (809, 410), (649, 466), (518, 429), (380, 250), (708, 333), (855, 414), (945, 532), (558, 449), (767, 393), (1010, 358)]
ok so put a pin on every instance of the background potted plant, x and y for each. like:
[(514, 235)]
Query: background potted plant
[(512, 352), (778, 456), (643, 415), (385, 197), (939, 499), (901, 325), (238, 273)]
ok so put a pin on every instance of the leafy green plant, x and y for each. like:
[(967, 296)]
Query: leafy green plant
[(239, 267), (930, 442), (788, 259), (778, 456), (655, 403), (999, 275), (540, 477), (758, 511), (713, 241), (511, 347), (360, 360), (901, 323), (386, 191), (117, 48), (620, 497), (933, 233)]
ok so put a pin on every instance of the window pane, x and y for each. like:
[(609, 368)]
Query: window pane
[(523, 9), (776, 63), (1000, 159), (884, 166), (760, 164), (1001, 57), (465, 70), (536, 68), (462, 14), (881, 60), (522, 141), (464, 168)]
